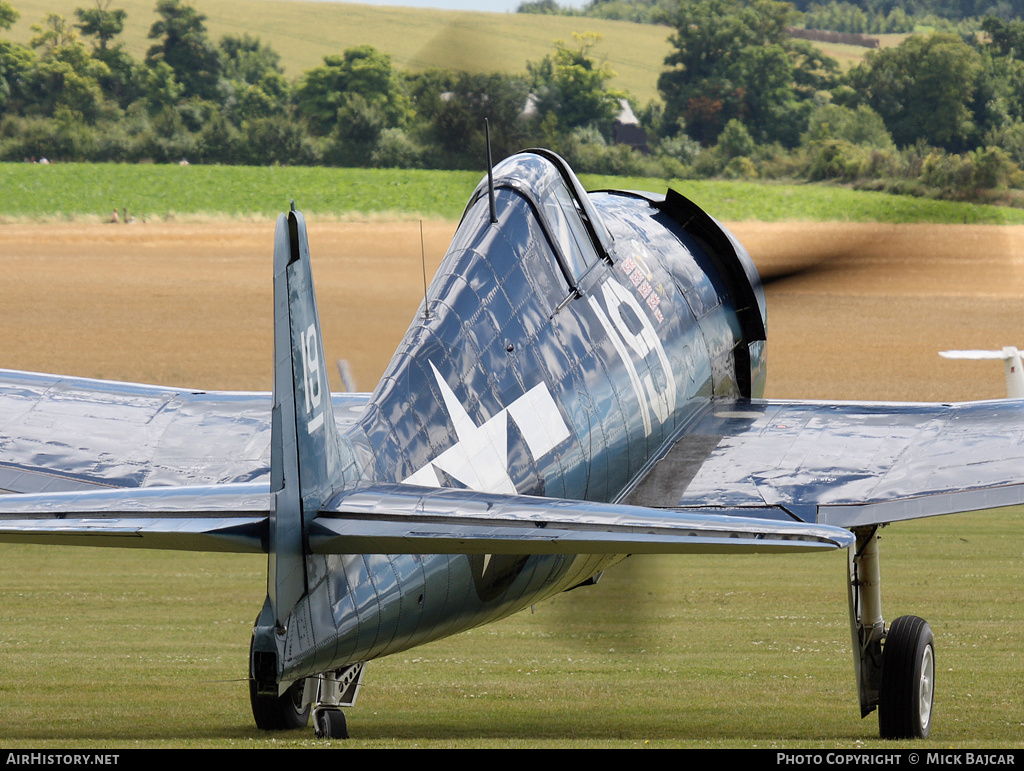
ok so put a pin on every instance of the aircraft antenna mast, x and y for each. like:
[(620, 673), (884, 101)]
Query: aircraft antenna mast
[(490, 173), (423, 262)]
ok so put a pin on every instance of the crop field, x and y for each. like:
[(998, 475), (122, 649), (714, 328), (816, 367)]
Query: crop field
[(81, 191), (303, 32), (116, 648)]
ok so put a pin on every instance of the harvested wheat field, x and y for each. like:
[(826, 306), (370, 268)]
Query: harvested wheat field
[(856, 311)]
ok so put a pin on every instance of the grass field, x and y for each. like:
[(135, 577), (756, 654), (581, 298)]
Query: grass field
[(126, 649), (304, 32), (90, 191)]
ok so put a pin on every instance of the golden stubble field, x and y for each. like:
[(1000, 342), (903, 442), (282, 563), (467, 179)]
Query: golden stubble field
[(190, 304)]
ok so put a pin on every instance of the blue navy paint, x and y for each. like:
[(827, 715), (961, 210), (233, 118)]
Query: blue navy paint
[(515, 304)]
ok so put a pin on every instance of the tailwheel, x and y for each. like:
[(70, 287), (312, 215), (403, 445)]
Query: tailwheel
[(907, 688), (330, 723)]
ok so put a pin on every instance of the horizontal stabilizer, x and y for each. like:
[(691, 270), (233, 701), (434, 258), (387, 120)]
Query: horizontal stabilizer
[(226, 518), (408, 519)]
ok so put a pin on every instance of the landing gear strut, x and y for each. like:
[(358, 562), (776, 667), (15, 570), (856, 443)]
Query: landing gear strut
[(896, 668)]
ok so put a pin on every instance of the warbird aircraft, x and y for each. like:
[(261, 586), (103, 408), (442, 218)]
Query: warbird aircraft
[(583, 381)]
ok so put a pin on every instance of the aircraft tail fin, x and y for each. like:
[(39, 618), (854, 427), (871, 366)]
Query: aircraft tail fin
[(306, 451)]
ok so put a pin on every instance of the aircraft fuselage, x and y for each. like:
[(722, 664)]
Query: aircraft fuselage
[(559, 351)]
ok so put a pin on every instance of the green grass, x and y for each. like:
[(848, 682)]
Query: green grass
[(76, 190), (304, 32), (117, 648), (83, 191)]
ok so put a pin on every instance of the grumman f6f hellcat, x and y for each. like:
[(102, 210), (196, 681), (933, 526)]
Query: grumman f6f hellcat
[(583, 381)]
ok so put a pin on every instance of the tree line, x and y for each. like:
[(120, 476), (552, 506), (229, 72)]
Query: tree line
[(874, 16), (940, 114)]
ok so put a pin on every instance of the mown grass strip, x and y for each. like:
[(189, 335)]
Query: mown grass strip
[(128, 648), (83, 191)]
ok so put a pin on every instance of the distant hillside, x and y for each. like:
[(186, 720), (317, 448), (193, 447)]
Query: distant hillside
[(303, 32)]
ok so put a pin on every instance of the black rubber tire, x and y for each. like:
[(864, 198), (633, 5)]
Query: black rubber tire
[(279, 713), (331, 724), (906, 692)]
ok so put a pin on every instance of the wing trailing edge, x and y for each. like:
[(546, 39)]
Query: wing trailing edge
[(392, 519)]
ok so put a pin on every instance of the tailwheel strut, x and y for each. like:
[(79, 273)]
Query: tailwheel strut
[(336, 689)]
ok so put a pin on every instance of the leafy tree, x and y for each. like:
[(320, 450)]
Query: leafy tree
[(104, 25), (362, 71), (101, 22), (735, 60), (1007, 37), (248, 60), (65, 78), (545, 7), (999, 95), (452, 107), (182, 44), (276, 139), (160, 88), (15, 62), (255, 84), (923, 89), (735, 141), (573, 88), (8, 15), (52, 33), (395, 149), (862, 126)]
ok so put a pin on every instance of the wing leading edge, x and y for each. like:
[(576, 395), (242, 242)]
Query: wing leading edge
[(846, 464)]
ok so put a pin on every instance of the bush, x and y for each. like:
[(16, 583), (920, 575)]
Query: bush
[(396, 150), (994, 169), (735, 141), (836, 159), (740, 168), (950, 173)]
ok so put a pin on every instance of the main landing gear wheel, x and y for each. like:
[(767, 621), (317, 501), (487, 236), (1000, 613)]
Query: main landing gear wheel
[(907, 688), (279, 713), (330, 724)]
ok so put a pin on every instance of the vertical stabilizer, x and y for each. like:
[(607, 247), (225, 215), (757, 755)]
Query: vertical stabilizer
[(306, 450)]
